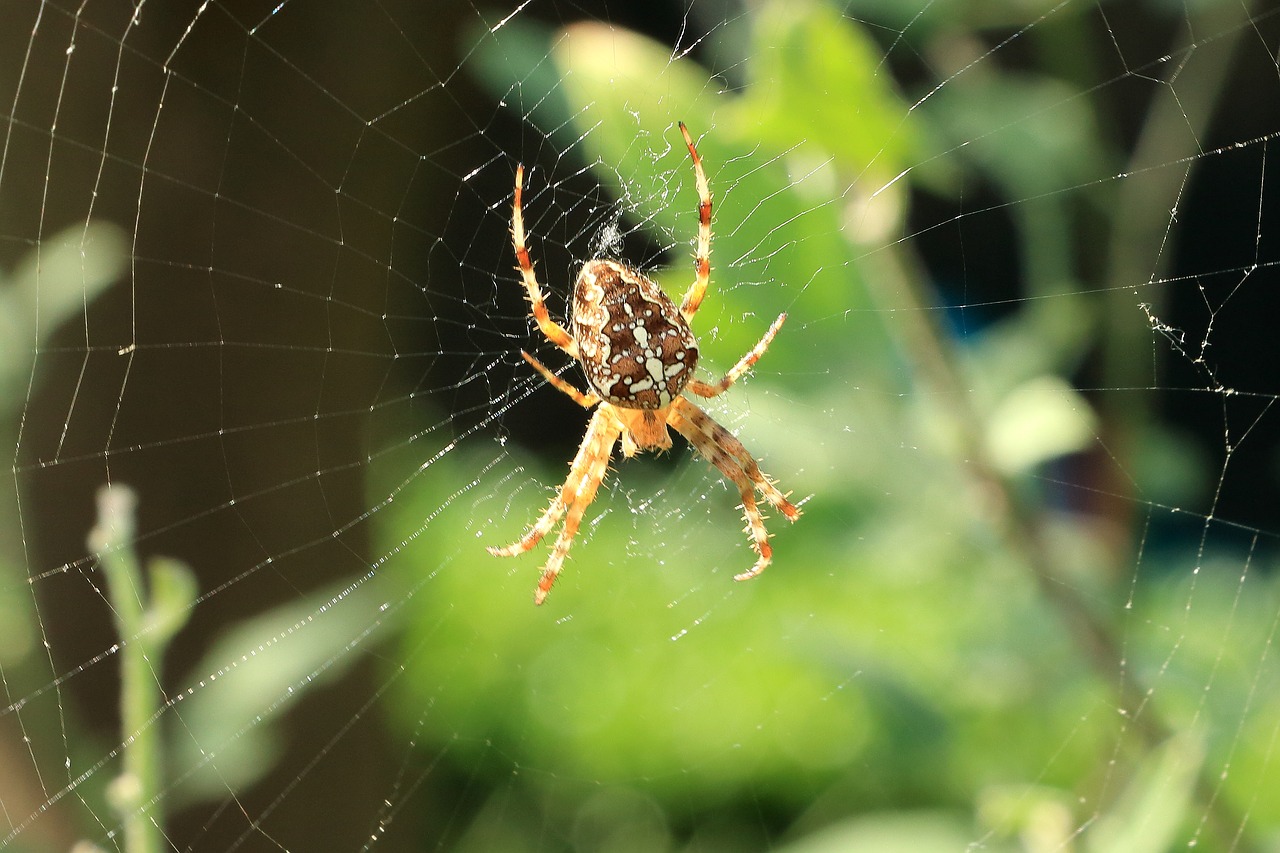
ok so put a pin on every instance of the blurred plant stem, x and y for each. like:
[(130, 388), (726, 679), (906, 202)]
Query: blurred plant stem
[(1139, 250), (1020, 527), (145, 622)]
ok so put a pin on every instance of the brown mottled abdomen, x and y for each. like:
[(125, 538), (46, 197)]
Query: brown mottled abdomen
[(635, 346)]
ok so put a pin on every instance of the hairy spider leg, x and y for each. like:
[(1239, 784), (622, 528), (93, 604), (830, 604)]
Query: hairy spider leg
[(703, 389), (553, 330), (601, 436), (730, 468), (721, 438), (586, 401), (564, 498), (537, 530), (702, 260)]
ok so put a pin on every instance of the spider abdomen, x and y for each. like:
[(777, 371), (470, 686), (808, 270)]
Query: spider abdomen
[(636, 348)]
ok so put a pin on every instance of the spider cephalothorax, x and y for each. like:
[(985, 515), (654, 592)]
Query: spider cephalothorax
[(639, 354)]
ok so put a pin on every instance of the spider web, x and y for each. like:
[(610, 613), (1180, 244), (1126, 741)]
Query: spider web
[(258, 278)]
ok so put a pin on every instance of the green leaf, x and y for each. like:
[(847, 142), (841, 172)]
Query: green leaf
[(1040, 420), (173, 591), (818, 77)]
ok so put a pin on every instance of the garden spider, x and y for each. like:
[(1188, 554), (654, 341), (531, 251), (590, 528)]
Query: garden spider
[(638, 354)]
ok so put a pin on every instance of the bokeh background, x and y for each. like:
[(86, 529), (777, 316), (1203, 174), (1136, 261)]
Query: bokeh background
[(257, 268)]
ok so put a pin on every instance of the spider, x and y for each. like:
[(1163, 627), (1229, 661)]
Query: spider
[(639, 355)]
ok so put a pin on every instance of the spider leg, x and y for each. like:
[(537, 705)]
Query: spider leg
[(567, 495), (703, 389), (538, 306), (586, 401), (603, 433), (728, 465), (702, 260), (725, 441)]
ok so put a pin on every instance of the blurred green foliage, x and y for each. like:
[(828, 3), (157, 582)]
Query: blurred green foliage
[(899, 678), (48, 287)]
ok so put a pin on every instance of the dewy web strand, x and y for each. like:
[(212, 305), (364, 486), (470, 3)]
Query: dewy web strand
[(258, 273)]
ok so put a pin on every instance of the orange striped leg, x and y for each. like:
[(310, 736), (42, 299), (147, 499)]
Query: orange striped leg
[(702, 260), (565, 497), (586, 401), (538, 306), (597, 464), (731, 469), (702, 389), (727, 442)]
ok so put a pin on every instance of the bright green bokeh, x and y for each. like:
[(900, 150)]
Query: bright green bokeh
[(899, 654)]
